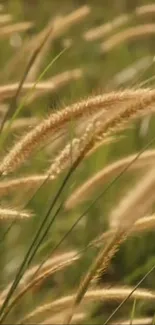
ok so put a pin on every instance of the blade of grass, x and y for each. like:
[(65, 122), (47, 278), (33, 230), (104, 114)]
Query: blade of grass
[(17, 111), (102, 193), (126, 299), (13, 104), (93, 202), (25, 207), (34, 242), (19, 274), (23, 291), (133, 312), (137, 83)]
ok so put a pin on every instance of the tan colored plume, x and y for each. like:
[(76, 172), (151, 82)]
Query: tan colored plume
[(22, 150), (110, 295)]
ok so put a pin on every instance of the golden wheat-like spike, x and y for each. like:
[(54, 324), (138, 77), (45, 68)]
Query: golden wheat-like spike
[(114, 122), (5, 18), (56, 27), (59, 25), (104, 29), (58, 318), (54, 122), (110, 295), (126, 217), (102, 260), (101, 142), (79, 147), (10, 90), (44, 38), (52, 265), (22, 123), (103, 129), (63, 23), (130, 33), (145, 10), (52, 262), (130, 72), (44, 273), (71, 152), (41, 87), (7, 214), (85, 190), (131, 111), (101, 31), (135, 321), (135, 204), (143, 224), (139, 199), (26, 52), (7, 187), (18, 27), (95, 132), (58, 81), (74, 147)]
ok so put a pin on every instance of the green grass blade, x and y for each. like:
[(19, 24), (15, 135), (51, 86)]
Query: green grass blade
[(133, 312), (21, 105), (13, 104)]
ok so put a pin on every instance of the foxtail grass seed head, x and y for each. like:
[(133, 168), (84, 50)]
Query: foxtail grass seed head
[(55, 263), (8, 214), (130, 33), (100, 178), (103, 294), (23, 148)]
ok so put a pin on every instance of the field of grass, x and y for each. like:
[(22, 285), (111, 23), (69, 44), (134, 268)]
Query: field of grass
[(77, 149)]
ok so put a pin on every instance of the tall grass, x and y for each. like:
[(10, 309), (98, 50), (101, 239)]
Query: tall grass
[(77, 175)]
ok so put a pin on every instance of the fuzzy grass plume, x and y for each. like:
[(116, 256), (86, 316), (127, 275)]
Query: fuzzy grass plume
[(77, 116)]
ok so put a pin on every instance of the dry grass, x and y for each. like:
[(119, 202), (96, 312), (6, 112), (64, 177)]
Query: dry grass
[(41, 87), (138, 321), (52, 265), (22, 150), (131, 72), (55, 28), (140, 198), (143, 224), (132, 33), (110, 295), (62, 142), (5, 18), (18, 27), (109, 27), (58, 318), (100, 178), (7, 214)]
